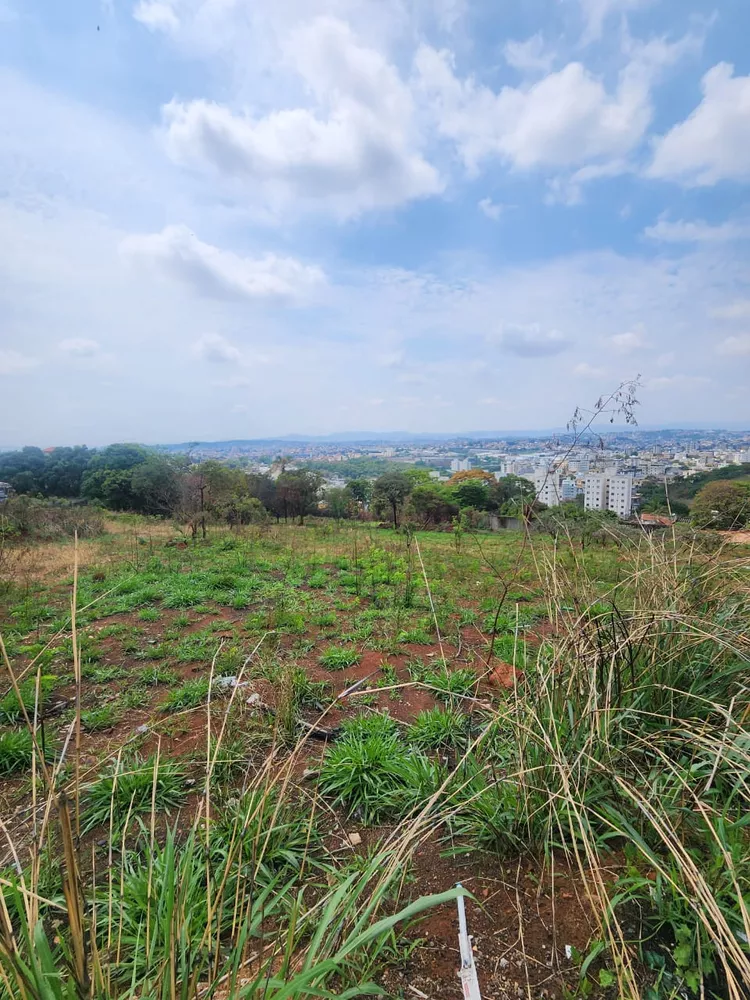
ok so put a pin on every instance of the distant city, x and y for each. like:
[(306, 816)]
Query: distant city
[(603, 471)]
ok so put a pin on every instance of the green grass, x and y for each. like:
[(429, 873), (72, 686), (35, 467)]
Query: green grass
[(339, 657), (12, 708), (129, 793), (95, 720), (189, 695), (16, 751), (439, 728), (158, 675)]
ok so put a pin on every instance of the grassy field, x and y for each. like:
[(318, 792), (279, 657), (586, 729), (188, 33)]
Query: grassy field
[(258, 765)]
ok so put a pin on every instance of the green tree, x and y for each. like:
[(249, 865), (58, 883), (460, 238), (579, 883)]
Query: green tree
[(339, 502), (360, 490), (298, 492), (472, 493), (723, 505), (390, 492), (433, 503)]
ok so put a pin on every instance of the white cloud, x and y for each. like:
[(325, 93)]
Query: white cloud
[(596, 12), (532, 342), (739, 309), (80, 347), (13, 362), (531, 56), (565, 119), (713, 143), (214, 348), (491, 209), (626, 343), (678, 381), (157, 15), (220, 273), (736, 347), (357, 150), (585, 370), (683, 231)]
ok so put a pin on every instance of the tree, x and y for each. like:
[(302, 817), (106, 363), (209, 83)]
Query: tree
[(338, 502), (108, 478), (724, 506), (360, 490), (467, 475), (433, 503), (298, 492), (391, 491), (474, 493), (510, 495)]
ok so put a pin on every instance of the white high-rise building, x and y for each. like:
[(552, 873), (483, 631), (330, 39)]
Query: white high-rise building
[(460, 465), (580, 464), (568, 489), (609, 492), (546, 487)]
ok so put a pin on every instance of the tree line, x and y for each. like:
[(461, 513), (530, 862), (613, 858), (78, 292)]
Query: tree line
[(130, 477)]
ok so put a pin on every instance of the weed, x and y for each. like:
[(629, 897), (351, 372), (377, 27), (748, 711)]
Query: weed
[(158, 675), (12, 710), (16, 750), (339, 657), (364, 773), (439, 728), (451, 685), (129, 793), (102, 675), (189, 695), (95, 720), (149, 615)]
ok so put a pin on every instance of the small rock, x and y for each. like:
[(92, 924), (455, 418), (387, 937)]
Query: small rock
[(354, 839), (503, 963), (254, 701), (190, 782), (225, 682), (141, 730)]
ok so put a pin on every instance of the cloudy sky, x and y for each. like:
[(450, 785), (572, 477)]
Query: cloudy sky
[(238, 218)]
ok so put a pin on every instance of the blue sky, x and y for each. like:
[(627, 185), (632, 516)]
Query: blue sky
[(225, 218)]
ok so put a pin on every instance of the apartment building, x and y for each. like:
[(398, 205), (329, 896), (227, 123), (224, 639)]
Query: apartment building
[(609, 492), (547, 487), (460, 465)]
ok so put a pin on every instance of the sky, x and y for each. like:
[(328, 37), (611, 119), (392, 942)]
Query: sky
[(249, 218)]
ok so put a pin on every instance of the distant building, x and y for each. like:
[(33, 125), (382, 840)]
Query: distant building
[(547, 488), (568, 489), (580, 464), (5, 489), (460, 465), (609, 492)]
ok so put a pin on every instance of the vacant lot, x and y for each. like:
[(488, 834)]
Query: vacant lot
[(250, 750)]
